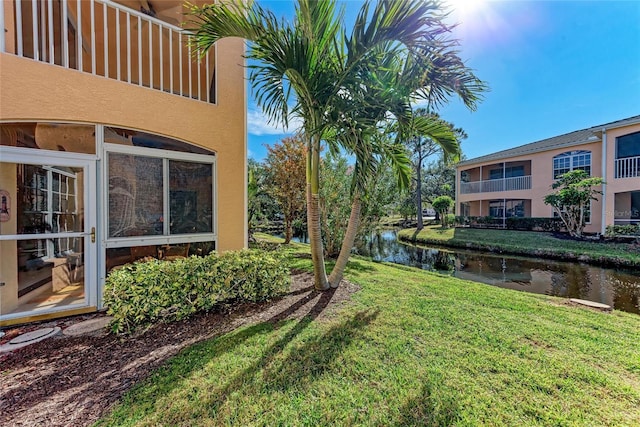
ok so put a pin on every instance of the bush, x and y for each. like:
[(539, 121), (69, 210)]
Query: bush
[(534, 224), (513, 223), (153, 291), (451, 220), (622, 230)]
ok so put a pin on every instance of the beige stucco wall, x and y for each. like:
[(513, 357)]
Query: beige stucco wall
[(37, 91)]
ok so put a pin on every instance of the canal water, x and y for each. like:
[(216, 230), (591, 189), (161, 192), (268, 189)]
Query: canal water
[(615, 287)]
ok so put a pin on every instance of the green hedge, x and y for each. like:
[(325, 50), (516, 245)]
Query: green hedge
[(160, 291), (512, 223), (623, 230)]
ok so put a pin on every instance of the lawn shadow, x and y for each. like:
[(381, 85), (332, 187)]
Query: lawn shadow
[(355, 267), (313, 358), (118, 364), (428, 408), (310, 360)]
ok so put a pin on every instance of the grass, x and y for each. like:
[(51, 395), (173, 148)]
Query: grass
[(411, 348), (528, 243)]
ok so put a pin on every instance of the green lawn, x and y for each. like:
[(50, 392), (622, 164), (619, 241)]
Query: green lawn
[(412, 348), (527, 243)]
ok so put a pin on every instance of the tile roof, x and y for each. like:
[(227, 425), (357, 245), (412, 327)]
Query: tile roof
[(565, 140)]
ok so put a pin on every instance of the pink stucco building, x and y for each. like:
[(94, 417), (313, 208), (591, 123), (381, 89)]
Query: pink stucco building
[(513, 183)]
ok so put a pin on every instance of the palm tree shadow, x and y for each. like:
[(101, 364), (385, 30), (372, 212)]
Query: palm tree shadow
[(201, 354), (429, 408), (309, 360)]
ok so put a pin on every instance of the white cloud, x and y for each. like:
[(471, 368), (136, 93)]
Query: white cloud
[(257, 124)]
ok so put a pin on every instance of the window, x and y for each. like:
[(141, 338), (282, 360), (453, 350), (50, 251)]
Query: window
[(571, 160), (164, 197), (506, 208), (628, 146), (496, 208), (509, 172)]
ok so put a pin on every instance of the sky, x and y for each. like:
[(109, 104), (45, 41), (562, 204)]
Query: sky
[(552, 67)]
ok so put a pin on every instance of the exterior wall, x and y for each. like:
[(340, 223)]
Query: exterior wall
[(616, 185), (541, 180), (36, 91)]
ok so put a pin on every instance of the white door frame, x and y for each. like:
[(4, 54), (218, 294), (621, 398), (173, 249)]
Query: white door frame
[(89, 163)]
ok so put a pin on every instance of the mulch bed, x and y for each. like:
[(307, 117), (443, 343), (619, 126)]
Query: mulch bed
[(65, 381)]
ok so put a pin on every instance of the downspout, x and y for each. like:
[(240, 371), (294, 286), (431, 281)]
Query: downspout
[(603, 225), (481, 189), (504, 213)]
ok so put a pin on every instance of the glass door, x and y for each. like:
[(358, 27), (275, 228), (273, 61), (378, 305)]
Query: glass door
[(47, 234)]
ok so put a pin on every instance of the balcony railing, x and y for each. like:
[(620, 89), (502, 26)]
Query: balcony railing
[(628, 167), (107, 39), (492, 185)]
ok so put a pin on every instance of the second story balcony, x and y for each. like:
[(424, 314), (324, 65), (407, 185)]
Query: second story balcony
[(627, 167), (504, 184), (507, 176), (137, 42)]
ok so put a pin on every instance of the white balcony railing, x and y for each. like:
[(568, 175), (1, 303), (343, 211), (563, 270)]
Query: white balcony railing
[(492, 185), (104, 38), (628, 167)]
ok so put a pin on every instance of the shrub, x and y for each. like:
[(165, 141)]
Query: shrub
[(622, 230), (451, 220), (153, 291), (534, 224)]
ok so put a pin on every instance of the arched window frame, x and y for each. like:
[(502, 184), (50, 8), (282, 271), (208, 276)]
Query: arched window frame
[(571, 160)]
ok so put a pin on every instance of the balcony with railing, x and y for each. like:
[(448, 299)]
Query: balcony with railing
[(628, 167), (493, 185), (108, 39)]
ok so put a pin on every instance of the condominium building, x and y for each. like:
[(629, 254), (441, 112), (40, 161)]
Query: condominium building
[(119, 141), (514, 182)]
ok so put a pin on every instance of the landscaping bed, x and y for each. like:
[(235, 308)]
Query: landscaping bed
[(65, 381)]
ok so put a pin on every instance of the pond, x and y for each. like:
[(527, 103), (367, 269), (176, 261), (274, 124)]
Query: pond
[(617, 288)]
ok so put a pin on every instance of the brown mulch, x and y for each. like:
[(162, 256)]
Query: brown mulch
[(73, 381)]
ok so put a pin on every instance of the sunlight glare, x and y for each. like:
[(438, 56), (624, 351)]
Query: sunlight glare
[(464, 8)]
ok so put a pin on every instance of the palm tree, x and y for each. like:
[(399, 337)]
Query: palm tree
[(386, 87), (310, 63)]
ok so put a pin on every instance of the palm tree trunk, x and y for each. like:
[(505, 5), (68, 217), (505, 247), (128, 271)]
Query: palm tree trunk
[(347, 243), (420, 224), (313, 215)]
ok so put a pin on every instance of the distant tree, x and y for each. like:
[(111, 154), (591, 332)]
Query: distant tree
[(260, 206), (286, 171), (573, 192), (439, 179), (442, 204), (423, 146), (335, 201)]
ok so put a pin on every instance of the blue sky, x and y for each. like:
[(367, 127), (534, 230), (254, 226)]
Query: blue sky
[(553, 67)]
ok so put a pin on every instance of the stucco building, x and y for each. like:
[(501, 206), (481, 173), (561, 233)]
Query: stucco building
[(513, 183), (118, 142)]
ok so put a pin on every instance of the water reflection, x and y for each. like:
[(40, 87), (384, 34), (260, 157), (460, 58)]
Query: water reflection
[(618, 288)]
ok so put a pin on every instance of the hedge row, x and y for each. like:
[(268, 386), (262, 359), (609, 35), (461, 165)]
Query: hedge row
[(513, 223), (161, 291), (623, 230)]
